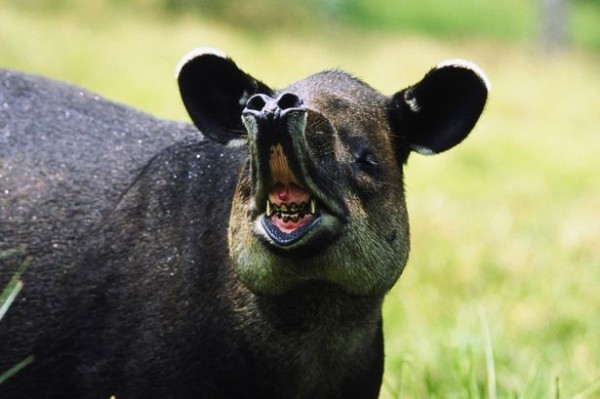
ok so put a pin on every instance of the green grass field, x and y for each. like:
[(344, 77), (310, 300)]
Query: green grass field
[(501, 296)]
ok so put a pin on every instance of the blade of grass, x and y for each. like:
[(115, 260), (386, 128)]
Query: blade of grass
[(10, 292), (8, 295), (15, 284), (489, 355), (16, 368), (6, 253), (13, 288)]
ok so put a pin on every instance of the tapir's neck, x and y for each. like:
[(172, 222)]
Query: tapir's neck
[(317, 330), (312, 306), (320, 306)]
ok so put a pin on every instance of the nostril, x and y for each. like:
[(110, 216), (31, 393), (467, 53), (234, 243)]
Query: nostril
[(262, 104), (256, 103), (289, 100)]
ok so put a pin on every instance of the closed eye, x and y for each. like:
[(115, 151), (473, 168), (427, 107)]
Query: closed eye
[(366, 161), (363, 154), (366, 158)]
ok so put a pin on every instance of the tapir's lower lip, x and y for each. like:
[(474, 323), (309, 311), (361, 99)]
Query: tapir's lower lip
[(285, 239)]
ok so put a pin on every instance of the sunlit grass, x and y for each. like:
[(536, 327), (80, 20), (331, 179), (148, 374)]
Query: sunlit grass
[(507, 225)]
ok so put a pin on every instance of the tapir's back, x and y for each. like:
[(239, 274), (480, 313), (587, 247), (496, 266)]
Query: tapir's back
[(66, 157), (64, 148)]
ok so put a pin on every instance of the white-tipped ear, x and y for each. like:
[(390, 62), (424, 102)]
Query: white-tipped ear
[(213, 90), (195, 53), (470, 65), (438, 112), (422, 149)]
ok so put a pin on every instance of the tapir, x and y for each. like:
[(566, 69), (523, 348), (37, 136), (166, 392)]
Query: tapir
[(245, 255)]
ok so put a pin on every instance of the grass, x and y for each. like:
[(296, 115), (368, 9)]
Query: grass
[(7, 297), (15, 285), (501, 290)]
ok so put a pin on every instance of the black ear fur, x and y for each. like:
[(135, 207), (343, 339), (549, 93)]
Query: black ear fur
[(437, 113), (214, 91)]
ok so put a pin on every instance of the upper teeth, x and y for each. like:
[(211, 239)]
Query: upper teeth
[(291, 211)]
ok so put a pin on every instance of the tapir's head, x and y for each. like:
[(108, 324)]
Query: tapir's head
[(321, 197)]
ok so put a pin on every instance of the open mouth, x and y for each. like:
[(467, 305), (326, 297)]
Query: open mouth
[(290, 213)]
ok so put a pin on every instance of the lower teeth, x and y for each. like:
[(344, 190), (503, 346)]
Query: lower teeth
[(286, 217)]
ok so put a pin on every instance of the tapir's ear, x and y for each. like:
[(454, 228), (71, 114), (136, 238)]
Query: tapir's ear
[(439, 112), (214, 91)]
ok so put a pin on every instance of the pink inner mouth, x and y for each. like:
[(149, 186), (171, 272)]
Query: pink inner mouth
[(288, 193), (291, 207)]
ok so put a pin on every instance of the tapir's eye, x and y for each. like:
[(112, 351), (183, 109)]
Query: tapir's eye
[(365, 160)]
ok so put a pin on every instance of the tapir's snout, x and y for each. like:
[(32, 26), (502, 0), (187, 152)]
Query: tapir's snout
[(276, 128), (289, 201), (274, 122), (264, 106)]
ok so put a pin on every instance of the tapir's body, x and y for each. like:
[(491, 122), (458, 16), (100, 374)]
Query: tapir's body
[(168, 265), (161, 321)]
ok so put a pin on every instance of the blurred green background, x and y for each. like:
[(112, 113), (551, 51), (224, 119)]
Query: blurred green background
[(501, 296)]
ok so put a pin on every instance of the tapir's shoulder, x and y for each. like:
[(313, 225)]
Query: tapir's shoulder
[(187, 177)]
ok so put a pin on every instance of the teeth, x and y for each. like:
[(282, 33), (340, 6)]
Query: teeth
[(269, 209), (291, 211)]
